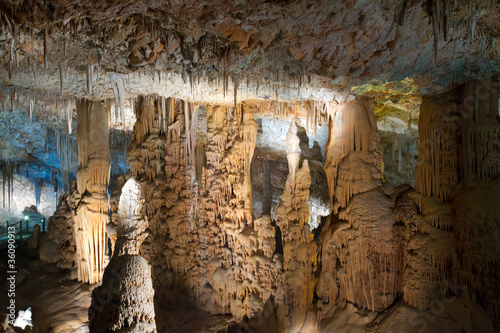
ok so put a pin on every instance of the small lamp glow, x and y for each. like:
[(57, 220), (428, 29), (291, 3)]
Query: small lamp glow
[(26, 217)]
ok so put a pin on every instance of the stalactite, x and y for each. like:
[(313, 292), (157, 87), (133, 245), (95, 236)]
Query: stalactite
[(164, 115), (90, 77), (235, 83), (119, 94), (45, 49), (69, 116), (31, 105), (67, 154), (61, 77), (38, 192), (33, 68), (315, 120)]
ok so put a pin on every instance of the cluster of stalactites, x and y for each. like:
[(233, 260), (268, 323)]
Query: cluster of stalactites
[(31, 100), (436, 172), (67, 154), (7, 183), (174, 121)]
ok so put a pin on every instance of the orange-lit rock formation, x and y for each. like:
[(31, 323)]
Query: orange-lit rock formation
[(92, 185), (360, 259)]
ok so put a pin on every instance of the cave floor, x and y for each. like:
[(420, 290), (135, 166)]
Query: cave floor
[(60, 304)]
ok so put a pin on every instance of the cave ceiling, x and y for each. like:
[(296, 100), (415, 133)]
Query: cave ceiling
[(273, 48)]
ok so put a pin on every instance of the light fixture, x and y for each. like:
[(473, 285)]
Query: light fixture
[(26, 217)]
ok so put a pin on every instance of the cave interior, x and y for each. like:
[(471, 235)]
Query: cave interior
[(250, 166)]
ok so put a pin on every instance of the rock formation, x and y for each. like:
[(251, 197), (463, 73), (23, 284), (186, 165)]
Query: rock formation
[(360, 259), (124, 301), (273, 156), (299, 247), (59, 245), (92, 185)]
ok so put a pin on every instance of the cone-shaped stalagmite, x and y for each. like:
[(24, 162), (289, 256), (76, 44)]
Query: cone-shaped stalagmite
[(124, 301)]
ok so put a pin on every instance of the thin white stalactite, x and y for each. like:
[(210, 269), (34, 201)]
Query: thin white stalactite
[(61, 76), (90, 77), (119, 94)]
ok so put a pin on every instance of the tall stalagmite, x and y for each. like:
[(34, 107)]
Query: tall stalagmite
[(124, 301), (94, 165), (299, 247)]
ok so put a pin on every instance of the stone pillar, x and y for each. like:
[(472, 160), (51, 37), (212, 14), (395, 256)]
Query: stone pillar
[(360, 261), (94, 165)]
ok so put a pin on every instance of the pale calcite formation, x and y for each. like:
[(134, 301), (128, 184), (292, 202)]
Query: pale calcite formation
[(124, 301), (92, 184), (353, 161), (114, 200)]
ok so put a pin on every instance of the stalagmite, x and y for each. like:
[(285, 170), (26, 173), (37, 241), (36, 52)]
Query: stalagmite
[(59, 247), (299, 250), (124, 301), (92, 180)]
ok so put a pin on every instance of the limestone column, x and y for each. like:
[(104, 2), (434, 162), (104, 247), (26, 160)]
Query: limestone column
[(92, 185)]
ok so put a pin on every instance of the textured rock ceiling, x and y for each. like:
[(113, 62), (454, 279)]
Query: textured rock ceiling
[(277, 45)]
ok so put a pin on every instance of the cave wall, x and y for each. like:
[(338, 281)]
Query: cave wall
[(457, 183), (199, 172)]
